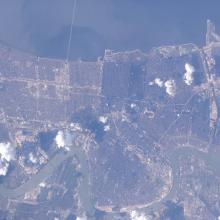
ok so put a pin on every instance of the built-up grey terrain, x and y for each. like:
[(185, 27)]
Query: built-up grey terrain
[(132, 136)]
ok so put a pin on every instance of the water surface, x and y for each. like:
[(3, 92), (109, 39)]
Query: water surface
[(42, 27)]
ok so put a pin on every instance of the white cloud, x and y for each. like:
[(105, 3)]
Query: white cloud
[(133, 105), (42, 184), (170, 86), (32, 158), (134, 215), (188, 76), (76, 126), (103, 119), (81, 218), (7, 153), (3, 167), (63, 140), (189, 68), (59, 139), (158, 82), (106, 127)]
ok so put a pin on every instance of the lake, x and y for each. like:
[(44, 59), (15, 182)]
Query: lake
[(42, 27)]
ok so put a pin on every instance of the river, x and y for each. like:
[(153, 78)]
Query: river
[(211, 159)]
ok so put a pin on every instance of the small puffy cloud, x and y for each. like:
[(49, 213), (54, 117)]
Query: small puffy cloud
[(81, 218), (59, 139), (106, 127), (133, 105), (189, 68), (188, 78), (158, 82), (42, 184), (3, 167), (189, 74), (103, 119), (170, 86), (7, 153), (32, 158), (134, 215), (76, 127), (63, 140)]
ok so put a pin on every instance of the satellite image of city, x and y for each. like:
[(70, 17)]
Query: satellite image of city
[(131, 135)]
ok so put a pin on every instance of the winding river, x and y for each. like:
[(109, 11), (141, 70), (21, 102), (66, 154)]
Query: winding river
[(210, 158), (48, 170)]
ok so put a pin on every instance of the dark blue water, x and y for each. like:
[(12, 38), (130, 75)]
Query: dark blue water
[(43, 26)]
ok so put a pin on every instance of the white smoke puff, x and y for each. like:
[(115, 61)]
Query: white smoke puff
[(158, 82), (170, 86), (134, 215), (7, 152), (188, 76), (103, 119)]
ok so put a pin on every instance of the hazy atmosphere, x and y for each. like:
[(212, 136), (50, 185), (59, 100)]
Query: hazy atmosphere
[(130, 133)]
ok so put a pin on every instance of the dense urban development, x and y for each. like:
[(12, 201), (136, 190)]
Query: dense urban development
[(132, 136)]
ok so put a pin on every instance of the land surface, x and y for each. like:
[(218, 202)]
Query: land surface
[(142, 136)]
